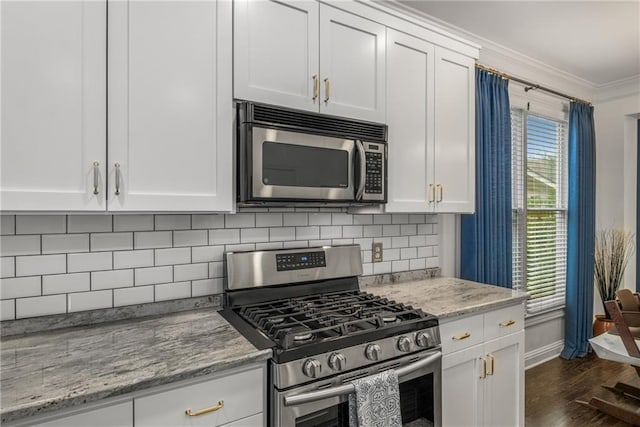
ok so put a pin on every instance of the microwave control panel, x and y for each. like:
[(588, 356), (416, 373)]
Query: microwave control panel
[(375, 156), (300, 260)]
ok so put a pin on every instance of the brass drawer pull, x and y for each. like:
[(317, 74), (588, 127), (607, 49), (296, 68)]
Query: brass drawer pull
[(316, 87), (507, 323), (492, 364), (483, 373), (462, 336), (220, 405)]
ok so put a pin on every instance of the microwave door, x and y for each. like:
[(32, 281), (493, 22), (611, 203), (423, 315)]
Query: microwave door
[(299, 166)]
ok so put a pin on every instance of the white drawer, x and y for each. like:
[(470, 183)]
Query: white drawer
[(256, 420), (242, 394), (462, 333), (504, 321)]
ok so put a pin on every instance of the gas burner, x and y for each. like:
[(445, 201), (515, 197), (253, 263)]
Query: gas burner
[(388, 317), (302, 336), (276, 320)]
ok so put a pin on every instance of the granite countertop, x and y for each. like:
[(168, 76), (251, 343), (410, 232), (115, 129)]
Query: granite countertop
[(447, 297), (53, 370)]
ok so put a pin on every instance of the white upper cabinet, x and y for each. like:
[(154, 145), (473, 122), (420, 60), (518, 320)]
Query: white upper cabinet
[(276, 52), (309, 56), (410, 80), (53, 105), (454, 132), (170, 106), (352, 65)]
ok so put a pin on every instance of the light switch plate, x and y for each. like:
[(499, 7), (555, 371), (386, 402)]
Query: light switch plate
[(376, 252)]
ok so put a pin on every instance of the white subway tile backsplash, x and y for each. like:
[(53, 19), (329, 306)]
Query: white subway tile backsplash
[(240, 247), (207, 253), (330, 232), (295, 244), (173, 222), (432, 240), (7, 224), (207, 221), (391, 254), (173, 256), (66, 283), (425, 252), (398, 218), (408, 230), (307, 233), (367, 256), (153, 275), (216, 269), (152, 239), (186, 272), (133, 223), (40, 264), (206, 287), (20, 245), (89, 262), (363, 219), (382, 219), (132, 259), (65, 243), (41, 306), (321, 218), (94, 300), (132, 296), (224, 236), (8, 309), (7, 267), (432, 262), (382, 267), (352, 231), (337, 242), (417, 240), (431, 219), (281, 234), (111, 242), (295, 218), (400, 242), (40, 224), (418, 263), (390, 230), (372, 230), (240, 220), (424, 229), (397, 266), (190, 238), (364, 243), (367, 269), (416, 219), (90, 223), (111, 279), (323, 242), (272, 219), (406, 253), (20, 287), (253, 235), (268, 245), (171, 291), (341, 219)]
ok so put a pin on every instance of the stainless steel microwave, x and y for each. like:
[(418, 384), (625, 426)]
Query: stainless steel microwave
[(295, 157)]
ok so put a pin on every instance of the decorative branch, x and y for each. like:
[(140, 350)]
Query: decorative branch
[(613, 250)]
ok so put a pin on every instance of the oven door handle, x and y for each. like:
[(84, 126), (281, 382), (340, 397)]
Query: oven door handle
[(363, 169), (349, 388)]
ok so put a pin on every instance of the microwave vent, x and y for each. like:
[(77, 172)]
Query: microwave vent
[(313, 122)]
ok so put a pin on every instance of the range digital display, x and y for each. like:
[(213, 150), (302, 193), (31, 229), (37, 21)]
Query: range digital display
[(300, 260)]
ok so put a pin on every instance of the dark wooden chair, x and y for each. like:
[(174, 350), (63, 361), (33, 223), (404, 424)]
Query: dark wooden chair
[(625, 313)]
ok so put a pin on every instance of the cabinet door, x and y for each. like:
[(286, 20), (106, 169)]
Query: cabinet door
[(170, 106), (53, 105), (504, 389), (119, 415), (276, 52), (352, 65), (462, 397), (410, 120), (455, 132)]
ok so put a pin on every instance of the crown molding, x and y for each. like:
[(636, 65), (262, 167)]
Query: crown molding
[(618, 89)]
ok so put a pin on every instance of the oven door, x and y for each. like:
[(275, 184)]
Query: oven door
[(318, 405), (300, 166)]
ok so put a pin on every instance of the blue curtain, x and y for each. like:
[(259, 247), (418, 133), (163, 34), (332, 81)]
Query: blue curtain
[(580, 231), (638, 214), (486, 235)]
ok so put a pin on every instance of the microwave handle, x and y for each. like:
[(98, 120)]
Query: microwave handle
[(298, 399), (363, 169)]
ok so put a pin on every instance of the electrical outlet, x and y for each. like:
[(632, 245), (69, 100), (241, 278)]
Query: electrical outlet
[(376, 252)]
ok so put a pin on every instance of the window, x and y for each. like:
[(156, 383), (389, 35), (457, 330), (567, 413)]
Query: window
[(539, 193)]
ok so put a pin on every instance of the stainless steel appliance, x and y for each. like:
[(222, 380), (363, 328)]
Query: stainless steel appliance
[(306, 305), (289, 156)]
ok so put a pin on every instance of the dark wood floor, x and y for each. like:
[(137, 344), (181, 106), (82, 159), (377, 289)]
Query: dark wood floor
[(553, 387)]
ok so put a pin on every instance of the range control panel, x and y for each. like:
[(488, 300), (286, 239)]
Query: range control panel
[(300, 260)]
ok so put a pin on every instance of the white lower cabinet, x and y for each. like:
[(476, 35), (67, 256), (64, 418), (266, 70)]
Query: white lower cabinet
[(118, 415), (483, 383)]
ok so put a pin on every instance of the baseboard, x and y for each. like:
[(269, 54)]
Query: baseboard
[(543, 354)]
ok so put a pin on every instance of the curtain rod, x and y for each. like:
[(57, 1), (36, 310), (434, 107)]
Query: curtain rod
[(529, 85)]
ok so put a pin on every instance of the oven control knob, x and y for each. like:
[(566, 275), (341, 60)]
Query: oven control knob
[(404, 344), (373, 352), (311, 368), (337, 361), (423, 339)]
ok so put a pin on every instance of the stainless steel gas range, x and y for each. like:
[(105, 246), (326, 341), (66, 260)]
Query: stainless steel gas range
[(306, 305)]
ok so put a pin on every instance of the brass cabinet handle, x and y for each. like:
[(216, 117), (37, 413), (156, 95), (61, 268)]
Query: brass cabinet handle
[(220, 405), (439, 187), (462, 336), (492, 364), (432, 193), (507, 323), (327, 90), (483, 372), (316, 87), (117, 166), (96, 177)]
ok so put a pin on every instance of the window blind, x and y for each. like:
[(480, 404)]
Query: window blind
[(539, 163)]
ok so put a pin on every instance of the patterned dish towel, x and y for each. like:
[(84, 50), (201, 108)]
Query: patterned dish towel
[(376, 402)]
